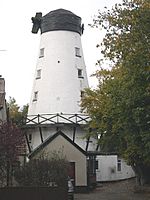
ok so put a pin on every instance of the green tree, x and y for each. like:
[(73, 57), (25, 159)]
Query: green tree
[(120, 106), (16, 113)]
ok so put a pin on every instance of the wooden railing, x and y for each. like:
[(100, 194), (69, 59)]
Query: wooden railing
[(57, 119)]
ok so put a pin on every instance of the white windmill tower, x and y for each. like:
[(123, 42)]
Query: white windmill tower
[(59, 83), (60, 78)]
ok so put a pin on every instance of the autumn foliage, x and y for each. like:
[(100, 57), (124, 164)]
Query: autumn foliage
[(12, 145)]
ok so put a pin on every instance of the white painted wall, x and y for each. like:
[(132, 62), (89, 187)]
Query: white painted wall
[(66, 129), (107, 169), (59, 87)]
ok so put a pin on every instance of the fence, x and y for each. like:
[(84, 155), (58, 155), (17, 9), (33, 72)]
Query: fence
[(33, 193)]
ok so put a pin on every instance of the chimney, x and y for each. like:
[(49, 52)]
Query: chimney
[(2, 92)]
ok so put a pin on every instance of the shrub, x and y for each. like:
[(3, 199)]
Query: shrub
[(43, 171)]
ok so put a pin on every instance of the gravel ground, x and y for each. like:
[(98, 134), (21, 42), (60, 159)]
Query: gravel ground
[(123, 190)]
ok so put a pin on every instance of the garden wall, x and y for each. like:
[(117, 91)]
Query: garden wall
[(33, 193)]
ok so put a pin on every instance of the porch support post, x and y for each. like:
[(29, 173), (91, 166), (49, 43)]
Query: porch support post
[(74, 133), (41, 135), (28, 143), (87, 143)]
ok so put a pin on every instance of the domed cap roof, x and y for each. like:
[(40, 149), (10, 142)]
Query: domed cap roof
[(61, 19)]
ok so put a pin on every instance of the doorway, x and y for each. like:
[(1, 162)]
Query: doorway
[(71, 172)]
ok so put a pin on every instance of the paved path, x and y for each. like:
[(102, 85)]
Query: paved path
[(123, 190)]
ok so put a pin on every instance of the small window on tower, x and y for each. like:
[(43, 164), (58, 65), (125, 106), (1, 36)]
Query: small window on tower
[(41, 53), (77, 52), (35, 96), (80, 73), (38, 74), (82, 94)]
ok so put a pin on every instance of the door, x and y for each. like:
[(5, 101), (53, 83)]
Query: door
[(71, 173)]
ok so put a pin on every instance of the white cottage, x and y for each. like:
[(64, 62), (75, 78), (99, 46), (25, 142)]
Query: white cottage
[(112, 168)]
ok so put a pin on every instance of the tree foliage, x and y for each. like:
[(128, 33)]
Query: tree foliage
[(43, 171), (120, 106), (16, 113)]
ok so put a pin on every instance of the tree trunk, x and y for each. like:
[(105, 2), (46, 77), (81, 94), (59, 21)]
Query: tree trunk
[(142, 175)]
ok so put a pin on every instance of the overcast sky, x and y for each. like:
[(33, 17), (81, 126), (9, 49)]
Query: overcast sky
[(18, 61)]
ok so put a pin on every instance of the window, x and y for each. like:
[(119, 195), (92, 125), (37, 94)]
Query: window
[(77, 52), (41, 53), (96, 164), (80, 73), (82, 94), (38, 74), (119, 165), (30, 137), (35, 96)]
